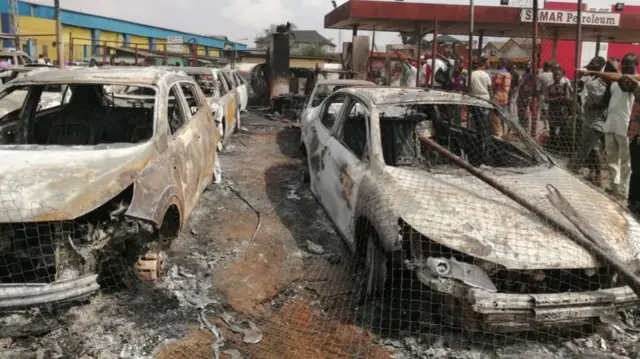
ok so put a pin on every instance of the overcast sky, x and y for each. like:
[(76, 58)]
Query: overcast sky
[(242, 19)]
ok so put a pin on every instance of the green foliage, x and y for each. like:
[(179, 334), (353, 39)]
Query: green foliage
[(315, 50), (266, 32)]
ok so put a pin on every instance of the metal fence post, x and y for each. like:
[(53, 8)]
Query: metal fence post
[(578, 53), (534, 70)]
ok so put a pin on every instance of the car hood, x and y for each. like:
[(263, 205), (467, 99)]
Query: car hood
[(64, 183), (465, 214)]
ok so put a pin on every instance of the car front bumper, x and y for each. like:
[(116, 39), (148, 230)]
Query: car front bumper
[(23, 295), (503, 312)]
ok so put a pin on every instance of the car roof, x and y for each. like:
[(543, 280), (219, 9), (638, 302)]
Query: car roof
[(114, 76), (186, 69), (13, 52), (396, 95), (342, 82)]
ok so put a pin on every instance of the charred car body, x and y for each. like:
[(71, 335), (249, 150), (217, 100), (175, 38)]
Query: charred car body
[(223, 98), (400, 204), (100, 177)]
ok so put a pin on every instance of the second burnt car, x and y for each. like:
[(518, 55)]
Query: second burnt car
[(223, 98), (401, 205), (99, 178)]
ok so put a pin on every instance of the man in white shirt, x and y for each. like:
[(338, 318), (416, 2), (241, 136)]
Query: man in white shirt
[(616, 126), (412, 80), (41, 59), (480, 82), (410, 73), (480, 86), (616, 141)]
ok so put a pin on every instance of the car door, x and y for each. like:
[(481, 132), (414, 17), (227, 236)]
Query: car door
[(308, 103), (184, 146), (346, 160), (243, 92), (201, 121), (317, 137), (230, 105)]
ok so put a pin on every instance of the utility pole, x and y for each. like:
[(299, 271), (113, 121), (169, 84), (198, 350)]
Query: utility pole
[(59, 43)]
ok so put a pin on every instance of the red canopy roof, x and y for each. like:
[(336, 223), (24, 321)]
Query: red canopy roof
[(493, 21)]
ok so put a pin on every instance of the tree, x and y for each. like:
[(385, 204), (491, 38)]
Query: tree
[(409, 38), (311, 50), (267, 32)]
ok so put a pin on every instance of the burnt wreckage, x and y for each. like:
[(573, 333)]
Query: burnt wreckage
[(402, 205), (99, 181)]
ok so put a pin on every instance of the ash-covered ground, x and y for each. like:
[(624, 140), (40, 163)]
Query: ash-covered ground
[(288, 290)]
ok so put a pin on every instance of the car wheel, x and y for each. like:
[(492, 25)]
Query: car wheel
[(375, 265)]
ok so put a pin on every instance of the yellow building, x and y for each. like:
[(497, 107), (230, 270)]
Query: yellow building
[(294, 61), (85, 35)]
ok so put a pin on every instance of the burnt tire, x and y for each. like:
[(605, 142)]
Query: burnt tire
[(376, 266)]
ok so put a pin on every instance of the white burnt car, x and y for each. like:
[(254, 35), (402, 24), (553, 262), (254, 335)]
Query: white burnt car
[(401, 205), (324, 88), (223, 97), (97, 178)]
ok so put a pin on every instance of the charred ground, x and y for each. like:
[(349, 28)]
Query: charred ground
[(293, 279)]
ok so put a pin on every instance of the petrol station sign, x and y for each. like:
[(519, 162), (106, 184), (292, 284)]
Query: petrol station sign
[(571, 17)]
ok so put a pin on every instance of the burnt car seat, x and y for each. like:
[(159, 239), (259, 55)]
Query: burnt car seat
[(139, 122), (70, 130)]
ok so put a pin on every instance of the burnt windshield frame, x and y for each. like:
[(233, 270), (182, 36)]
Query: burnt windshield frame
[(34, 93), (537, 152)]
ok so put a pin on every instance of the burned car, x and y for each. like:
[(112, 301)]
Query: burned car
[(399, 204), (324, 88), (222, 97), (100, 178)]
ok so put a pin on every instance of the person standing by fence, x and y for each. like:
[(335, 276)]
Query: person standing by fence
[(480, 86), (616, 126), (514, 91), (524, 97), (501, 91), (558, 96), (595, 106)]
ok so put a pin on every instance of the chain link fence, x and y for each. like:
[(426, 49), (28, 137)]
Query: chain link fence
[(453, 230)]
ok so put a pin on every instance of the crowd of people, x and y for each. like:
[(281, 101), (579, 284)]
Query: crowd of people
[(608, 108), (598, 131)]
